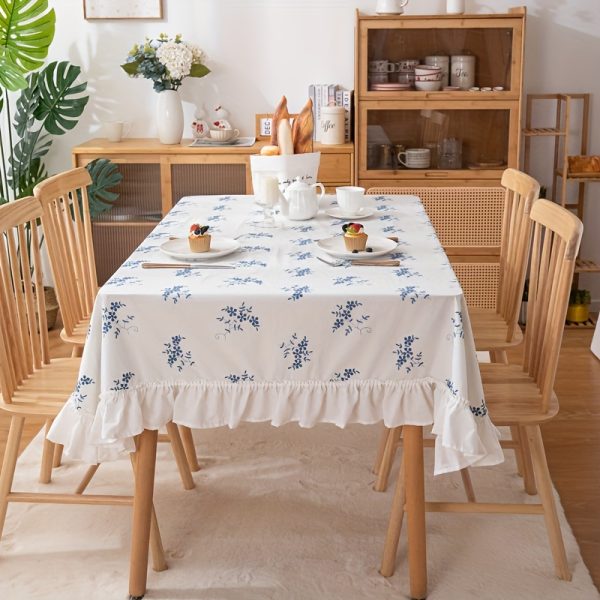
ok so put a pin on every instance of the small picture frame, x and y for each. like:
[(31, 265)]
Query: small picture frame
[(263, 125), (122, 9)]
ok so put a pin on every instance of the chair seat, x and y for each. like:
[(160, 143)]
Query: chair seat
[(512, 397), (44, 392), (79, 334), (490, 330)]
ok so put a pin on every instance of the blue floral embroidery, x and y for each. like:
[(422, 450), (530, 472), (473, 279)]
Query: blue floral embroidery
[(251, 263), (384, 208), (112, 321), (450, 386), (457, 324), (237, 378), (187, 272), (234, 319), (479, 411), (176, 293), (257, 248), (123, 281), (226, 199), (298, 291), (145, 249), (302, 228), (302, 241), (258, 235), (242, 281), (299, 351), (131, 264), (123, 382), (221, 207), (299, 271), (412, 293), (407, 357), (349, 280), (406, 272), (346, 320), (388, 218), (215, 218), (78, 396), (345, 375), (176, 356), (301, 255)]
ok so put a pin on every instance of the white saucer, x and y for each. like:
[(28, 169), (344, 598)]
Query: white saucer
[(334, 246), (338, 213), (179, 249)]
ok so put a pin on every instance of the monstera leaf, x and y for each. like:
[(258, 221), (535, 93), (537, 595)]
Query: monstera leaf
[(25, 106), (105, 175), (26, 32), (60, 101)]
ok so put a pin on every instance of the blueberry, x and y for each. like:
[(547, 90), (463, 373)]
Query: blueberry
[(355, 251), (369, 249)]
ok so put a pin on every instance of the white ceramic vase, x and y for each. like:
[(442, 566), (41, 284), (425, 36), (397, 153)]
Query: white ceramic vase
[(169, 114)]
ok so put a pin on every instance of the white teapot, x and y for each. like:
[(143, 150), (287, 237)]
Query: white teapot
[(302, 200)]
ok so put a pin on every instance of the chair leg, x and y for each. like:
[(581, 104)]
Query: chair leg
[(89, 474), (528, 476), (387, 461), (390, 549), (468, 485), (381, 449), (542, 476), (77, 351), (9, 463), (190, 449), (516, 437), (47, 456), (180, 458), (58, 452)]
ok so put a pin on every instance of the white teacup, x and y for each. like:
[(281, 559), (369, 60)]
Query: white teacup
[(415, 158), (224, 135), (115, 130), (351, 199)]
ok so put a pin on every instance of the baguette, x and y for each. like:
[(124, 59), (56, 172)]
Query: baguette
[(281, 112), (284, 137), (302, 130)]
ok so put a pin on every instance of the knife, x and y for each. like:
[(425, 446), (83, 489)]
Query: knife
[(149, 265), (375, 263)]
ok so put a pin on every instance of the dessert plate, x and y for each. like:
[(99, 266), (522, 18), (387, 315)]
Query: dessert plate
[(334, 246), (179, 249), (339, 213)]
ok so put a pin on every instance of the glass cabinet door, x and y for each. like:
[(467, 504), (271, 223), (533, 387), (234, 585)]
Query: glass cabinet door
[(404, 140)]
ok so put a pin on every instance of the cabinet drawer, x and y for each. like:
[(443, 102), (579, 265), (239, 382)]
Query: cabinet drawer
[(335, 167)]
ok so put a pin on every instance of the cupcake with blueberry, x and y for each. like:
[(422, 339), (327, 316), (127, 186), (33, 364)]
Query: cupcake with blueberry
[(355, 237), (198, 238)]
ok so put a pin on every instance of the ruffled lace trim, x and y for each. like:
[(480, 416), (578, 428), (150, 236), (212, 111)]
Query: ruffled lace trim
[(462, 439)]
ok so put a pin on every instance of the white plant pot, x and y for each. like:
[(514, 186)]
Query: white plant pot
[(169, 115)]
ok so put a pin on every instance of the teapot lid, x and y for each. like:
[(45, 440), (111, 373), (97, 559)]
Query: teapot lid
[(298, 185)]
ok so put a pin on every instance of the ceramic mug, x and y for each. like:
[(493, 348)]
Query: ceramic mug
[(381, 66), (115, 130), (224, 135), (415, 158), (351, 199)]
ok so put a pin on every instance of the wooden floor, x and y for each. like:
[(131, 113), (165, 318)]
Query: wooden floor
[(572, 440)]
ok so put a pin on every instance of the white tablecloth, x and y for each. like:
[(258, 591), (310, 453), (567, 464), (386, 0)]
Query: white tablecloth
[(282, 338)]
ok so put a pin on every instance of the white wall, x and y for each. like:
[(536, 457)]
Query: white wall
[(261, 49)]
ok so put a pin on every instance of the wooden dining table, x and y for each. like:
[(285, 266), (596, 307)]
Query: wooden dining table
[(280, 336)]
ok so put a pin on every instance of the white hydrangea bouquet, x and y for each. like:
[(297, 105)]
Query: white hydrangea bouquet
[(166, 61)]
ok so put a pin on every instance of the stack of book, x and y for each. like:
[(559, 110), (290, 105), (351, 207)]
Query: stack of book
[(330, 95)]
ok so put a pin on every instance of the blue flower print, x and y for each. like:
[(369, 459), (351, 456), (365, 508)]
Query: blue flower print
[(123, 382), (406, 272), (298, 291), (258, 235), (302, 242), (406, 356), (298, 349), (349, 280), (113, 321), (388, 218), (226, 199), (237, 378), (344, 319), (302, 228), (78, 396), (301, 255), (251, 263), (258, 248), (345, 375), (299, 271), (221, 208), (176, 293), (176, 356), (412, 293), (479, 411), (384, 208), (185, 273), (450, 386), (215, 218), (242, 281), (234, 319), (124, 280), (145, 249), (132, 264), (457, 325)]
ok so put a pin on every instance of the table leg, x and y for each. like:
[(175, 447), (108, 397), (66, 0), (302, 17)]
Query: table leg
[(142, 513), (415, 509)]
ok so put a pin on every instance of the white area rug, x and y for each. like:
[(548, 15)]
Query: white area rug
[(278, 514)]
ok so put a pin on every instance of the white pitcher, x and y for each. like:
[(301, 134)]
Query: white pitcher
[(390, 7), (302, 200)]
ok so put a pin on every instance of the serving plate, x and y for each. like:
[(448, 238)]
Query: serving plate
[(179, 249), (334, 246)]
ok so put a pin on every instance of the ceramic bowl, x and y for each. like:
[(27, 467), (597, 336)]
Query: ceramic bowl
[(436, 77), (223, 135), (427, 70), (428, 86)]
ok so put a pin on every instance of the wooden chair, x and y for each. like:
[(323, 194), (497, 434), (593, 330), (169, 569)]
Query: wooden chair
[(31, 384), (68, 234), (522, 395), (494, 328)]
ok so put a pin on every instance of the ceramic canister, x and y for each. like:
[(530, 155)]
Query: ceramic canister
[(332, 125), (462, 71), (444, 63)]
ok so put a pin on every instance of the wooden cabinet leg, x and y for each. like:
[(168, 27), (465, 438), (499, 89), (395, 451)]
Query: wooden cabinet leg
[(415, 507)]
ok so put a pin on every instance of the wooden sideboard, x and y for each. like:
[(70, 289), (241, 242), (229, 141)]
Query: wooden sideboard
[(157, 176)]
